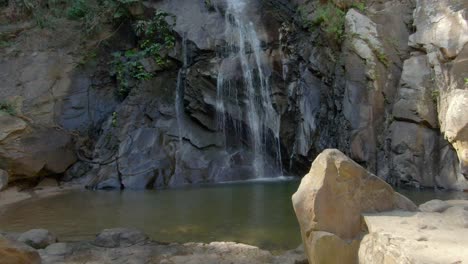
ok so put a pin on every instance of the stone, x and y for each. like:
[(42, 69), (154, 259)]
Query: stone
[(120, 237), (337, 188), (455, 126), (436, 206), (415, 101), (47, 183), (174, 253), (412, 147), (12, 252), (432, 19), (458, 216), (38, 238), (442, 240), (10, 124), (326, 247), (58, 249), (3, 180), (37, 149)]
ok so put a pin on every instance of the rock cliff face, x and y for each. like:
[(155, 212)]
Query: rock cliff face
[(256, 89)]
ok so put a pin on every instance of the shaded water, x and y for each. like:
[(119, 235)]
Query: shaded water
[(256, 213)]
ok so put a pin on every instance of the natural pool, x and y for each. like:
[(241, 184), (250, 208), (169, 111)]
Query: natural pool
[(256, 213)]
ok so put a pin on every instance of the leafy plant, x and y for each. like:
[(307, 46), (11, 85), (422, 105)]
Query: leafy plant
[(156, 37), (435, 95), (4, 44), (114, 119), (127, 68), (7, 108), (209, 5), (359, 6), (382, 57), (305, 22), (78, 9), (331, 19)]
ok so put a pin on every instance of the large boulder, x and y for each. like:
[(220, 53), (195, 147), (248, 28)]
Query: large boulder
[(330, 202), (35, 150)]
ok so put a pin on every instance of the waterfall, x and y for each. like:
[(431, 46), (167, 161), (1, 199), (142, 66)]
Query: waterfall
[(180, 86), (255, 107), (179, 103)]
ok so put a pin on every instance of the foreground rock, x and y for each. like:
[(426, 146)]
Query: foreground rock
[(437, 235), (38, 238), (12, 252), (126, 245), (329, 205)]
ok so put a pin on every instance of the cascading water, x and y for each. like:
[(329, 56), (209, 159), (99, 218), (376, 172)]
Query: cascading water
[(255, 106), (179, 98), (179, 103)]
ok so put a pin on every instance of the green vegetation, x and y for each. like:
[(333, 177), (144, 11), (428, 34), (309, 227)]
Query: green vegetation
[(7, 108), (305, 23), (94, 14), (4, 44), (329, 17), (78, 9), (359, 6), (382, 57), (209, 5), (114, 119), (127, 68), (435, 95), (87, 56), (156, 37), (466, 81)]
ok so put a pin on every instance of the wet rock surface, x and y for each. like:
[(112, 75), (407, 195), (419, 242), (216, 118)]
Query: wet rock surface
[(121, 245)]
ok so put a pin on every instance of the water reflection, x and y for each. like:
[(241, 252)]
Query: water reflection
[(258, 213)]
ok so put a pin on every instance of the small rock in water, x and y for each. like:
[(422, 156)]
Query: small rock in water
[(3, 180), (437, 206), (38, 238), (120, 237), (58, 249)]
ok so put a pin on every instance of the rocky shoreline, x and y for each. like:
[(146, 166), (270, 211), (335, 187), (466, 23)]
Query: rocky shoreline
[(16, 194), (122, 245)]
